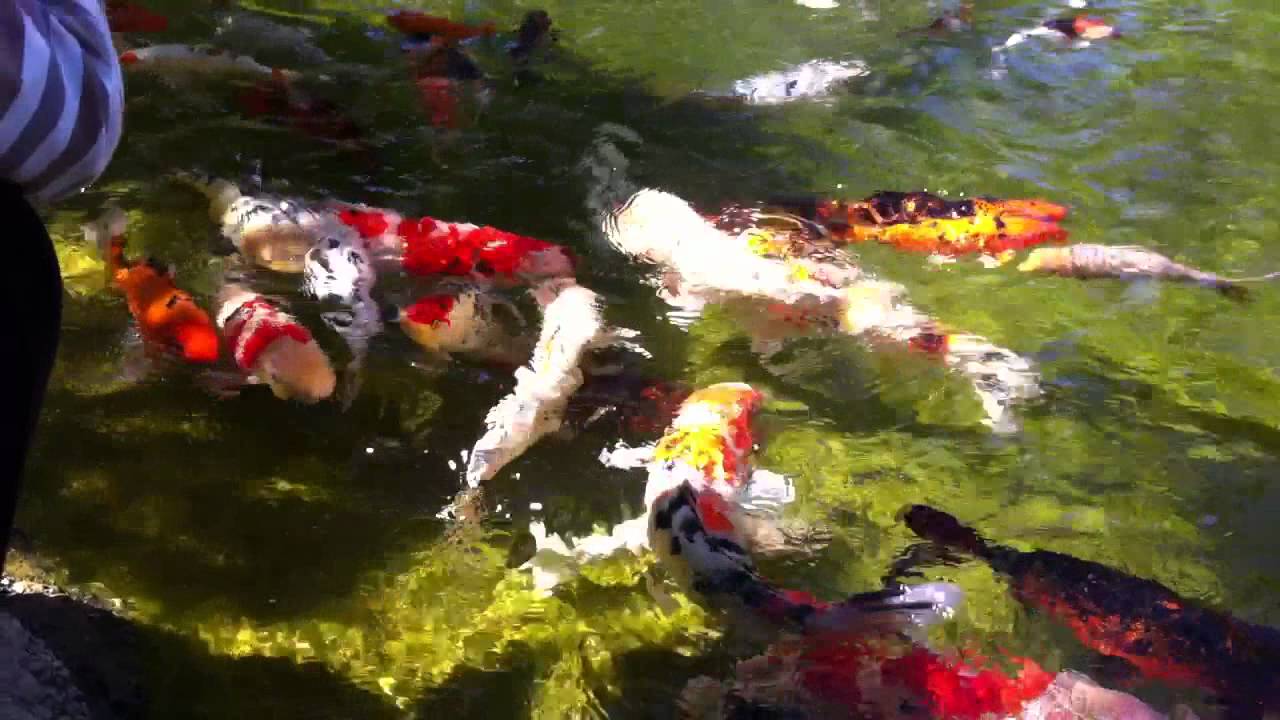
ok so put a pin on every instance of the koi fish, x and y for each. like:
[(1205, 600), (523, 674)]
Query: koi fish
[(428, 247), (1131, 263), (166, 314), (270, 346), (696, 540), (446, 77), (1081, 27), (340, 268), (879, 679), (463, 322), (411, 22), (572, 325), (175, 57), (270, 232), (815, 79), (702, 263), (922, 222), (1161, 634), (282, 102), (533, 34), (124, 16), (1077, 29)]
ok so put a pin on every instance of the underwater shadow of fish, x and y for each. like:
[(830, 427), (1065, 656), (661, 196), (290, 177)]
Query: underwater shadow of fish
[(1163, 635)]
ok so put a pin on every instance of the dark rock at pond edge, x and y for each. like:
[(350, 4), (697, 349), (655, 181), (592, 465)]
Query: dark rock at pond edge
[(68, 655), (97, 652)]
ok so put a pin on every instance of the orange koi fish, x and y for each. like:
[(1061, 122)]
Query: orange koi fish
[(922, 222), (272, 347), (1161, 634), (1130, 263), (411, 22), (124, 16), (165, 314)]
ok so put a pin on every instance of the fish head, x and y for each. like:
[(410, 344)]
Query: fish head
[(297, 370), (1045, 260), (1092, 28), (651, 224), (338, 267)]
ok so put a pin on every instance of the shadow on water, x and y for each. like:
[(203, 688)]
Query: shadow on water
[(129, 671)]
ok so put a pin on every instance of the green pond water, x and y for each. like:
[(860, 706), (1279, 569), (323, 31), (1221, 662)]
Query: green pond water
[(256, 527)]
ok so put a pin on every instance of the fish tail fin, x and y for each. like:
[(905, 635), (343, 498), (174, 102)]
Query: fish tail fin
[(943, 529), (106, 234), (1234, 287), (894, 609), (1233, 290)]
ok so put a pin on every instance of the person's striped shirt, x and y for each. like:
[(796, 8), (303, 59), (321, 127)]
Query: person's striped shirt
[(61, 96)]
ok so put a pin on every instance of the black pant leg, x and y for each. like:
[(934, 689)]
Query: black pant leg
[(31, 307)]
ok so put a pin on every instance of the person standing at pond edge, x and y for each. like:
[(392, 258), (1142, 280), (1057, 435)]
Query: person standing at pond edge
[(61, 115)]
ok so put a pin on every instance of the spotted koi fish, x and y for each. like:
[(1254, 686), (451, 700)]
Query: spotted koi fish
[(270, 232), (272, 347), (426, 246), (1131, 263), (922, 222), (461, 322), (1160, 633), (166, 315), (202, 59), (699, 494)]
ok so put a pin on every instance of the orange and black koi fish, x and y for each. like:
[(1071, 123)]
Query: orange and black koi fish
[(165, 314), (1163, 635), (1127, 262), (124, 16), (923, 222), (1082, 27)]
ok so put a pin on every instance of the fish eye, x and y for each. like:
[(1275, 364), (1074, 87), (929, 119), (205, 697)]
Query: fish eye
[(334, 243)]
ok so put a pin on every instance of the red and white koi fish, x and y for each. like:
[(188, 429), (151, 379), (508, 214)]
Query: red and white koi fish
[(703, 263), (877, 678), (427, 247), (202, 59), (462, 322), (272, 347), (1131, 263)]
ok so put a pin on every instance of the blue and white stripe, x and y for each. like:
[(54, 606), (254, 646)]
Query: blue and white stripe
[(61, 96)]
